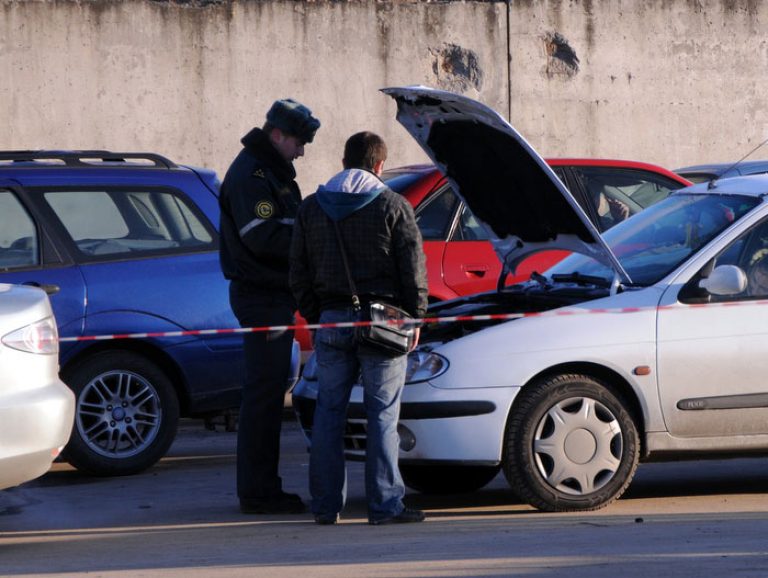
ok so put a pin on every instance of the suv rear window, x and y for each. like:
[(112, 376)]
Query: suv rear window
[(18, 235), (111, 222)]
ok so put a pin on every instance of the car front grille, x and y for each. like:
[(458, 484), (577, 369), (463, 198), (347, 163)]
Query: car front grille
[(355, 438)]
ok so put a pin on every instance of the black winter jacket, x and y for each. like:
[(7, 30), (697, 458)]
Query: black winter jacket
[(259, 199), (384, 248)]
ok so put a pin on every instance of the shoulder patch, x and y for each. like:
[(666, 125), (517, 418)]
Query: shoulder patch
[(259, 173), (264, 209)]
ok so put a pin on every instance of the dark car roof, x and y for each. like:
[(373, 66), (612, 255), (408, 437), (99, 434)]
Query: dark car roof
[(93, 162), (707, 172)]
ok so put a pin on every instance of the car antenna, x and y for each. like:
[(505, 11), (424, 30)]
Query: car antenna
[(725, 172)]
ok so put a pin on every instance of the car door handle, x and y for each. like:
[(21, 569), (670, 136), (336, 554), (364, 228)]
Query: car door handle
[(50, 289), (475, 270)]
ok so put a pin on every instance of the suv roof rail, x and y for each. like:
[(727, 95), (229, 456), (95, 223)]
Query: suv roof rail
[(87, 158)]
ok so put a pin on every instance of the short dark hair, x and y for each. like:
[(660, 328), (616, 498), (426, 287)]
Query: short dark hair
[(363, 150)]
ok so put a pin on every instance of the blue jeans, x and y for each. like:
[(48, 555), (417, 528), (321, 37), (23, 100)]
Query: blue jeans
[(339, 364)]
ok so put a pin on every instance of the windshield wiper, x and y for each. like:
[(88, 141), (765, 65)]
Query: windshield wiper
[(581, 279)]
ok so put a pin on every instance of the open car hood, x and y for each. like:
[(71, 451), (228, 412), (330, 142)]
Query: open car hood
[(507, 185)]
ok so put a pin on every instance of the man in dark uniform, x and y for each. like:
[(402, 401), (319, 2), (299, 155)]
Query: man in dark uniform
[(259, 199)]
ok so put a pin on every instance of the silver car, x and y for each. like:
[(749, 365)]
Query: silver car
[(647, 343), (36, 408)]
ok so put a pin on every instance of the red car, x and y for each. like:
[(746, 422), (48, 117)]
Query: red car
[(461, 260)]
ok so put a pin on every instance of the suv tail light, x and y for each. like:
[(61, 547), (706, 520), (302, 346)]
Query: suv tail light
[(39, 337)]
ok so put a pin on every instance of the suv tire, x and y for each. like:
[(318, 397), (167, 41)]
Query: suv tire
[(126, 414)]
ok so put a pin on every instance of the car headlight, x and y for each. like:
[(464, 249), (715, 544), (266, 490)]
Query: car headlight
[(39, 337), (424, 365)]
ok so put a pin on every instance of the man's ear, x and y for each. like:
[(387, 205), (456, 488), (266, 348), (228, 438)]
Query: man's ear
[(276, 135), (378, 168)]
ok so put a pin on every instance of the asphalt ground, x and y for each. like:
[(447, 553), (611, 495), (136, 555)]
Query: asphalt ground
[(180, 519)]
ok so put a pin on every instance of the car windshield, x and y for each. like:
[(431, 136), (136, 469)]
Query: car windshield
[(654, 242)]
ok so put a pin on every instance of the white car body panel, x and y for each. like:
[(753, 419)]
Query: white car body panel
[(707, 349), (36, 408), (444, 439), (495, 363), (708, 352)]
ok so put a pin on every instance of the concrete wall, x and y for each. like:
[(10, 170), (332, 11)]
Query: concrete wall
[(667, 81)]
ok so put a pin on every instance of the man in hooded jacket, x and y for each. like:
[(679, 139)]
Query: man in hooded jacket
[(386, 261)]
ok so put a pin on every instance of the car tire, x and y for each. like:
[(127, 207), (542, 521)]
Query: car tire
[(126, 414), (436, 479), (571, 444)]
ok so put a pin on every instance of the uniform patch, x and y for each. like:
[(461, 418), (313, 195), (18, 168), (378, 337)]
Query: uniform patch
[(264, 209), (259, 173)]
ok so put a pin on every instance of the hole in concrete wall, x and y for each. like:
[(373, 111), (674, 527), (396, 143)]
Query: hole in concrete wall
[(561, 58), (456, 68)]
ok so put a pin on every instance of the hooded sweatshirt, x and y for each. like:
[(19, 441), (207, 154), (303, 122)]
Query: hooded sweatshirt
[(382, 241), (347, 192)]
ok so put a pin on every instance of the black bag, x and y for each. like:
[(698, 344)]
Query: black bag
[(389, 331)]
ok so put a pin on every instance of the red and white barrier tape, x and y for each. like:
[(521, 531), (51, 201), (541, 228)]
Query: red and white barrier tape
[(307, 326), (426, 320)]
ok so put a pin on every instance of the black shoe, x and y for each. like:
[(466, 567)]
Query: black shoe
[(407, 516), (282, 503), (327, 520)]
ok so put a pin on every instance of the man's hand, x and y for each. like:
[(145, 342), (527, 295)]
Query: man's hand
[(619, 210)]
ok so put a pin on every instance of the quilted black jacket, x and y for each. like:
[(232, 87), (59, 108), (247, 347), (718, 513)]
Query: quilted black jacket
[(384, 249)]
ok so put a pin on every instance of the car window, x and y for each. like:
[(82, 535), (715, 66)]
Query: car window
[(662, 237), (750, 253), (435, 216), (469, 228), (698, 177), (18, 234), (110, 222), (610, 188)]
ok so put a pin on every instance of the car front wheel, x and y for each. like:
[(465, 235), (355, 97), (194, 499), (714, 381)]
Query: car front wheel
[(126, 415), (571, 444)]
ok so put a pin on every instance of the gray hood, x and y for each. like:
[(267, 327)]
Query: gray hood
[(503, 180)]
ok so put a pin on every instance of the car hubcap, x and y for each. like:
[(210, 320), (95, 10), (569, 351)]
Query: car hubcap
[(578, 446), (118, 414)]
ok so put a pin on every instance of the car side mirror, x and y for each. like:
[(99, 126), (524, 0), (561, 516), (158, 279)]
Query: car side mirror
[(724, 281)]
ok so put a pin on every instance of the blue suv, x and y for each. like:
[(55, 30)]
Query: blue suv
[(124, 243)]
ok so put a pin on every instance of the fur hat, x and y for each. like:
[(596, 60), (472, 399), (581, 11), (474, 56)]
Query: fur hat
[(293, 118)]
